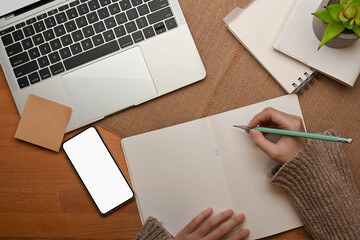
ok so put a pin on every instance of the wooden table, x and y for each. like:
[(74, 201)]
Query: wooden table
[(42, 197)]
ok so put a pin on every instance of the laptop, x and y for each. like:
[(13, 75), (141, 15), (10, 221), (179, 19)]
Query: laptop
[(96, 56)]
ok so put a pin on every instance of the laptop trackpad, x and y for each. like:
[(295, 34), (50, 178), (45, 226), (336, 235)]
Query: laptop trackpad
[(110, 85)]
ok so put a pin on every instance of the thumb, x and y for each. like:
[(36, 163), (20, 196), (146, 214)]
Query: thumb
[(261, 142)]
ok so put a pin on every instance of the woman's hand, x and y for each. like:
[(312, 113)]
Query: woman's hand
[(216, 227), (287, 146)]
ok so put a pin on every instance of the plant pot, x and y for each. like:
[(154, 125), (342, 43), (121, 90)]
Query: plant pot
[(340, 41)]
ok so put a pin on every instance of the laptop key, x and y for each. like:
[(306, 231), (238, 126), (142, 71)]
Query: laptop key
[(121, 18), (149, 32), (158, 4), (57, 68), (141, 22), (27, 43), (130, 27), (17, 35), (13, 49), (28, 31), (50, 22), (19, 25), (55, 44), (103, 13), (88, 31), (41, 16), (19, 59), (83, 9), (43, 62), (44, 73), (90, 55), (136, 2), (44, 48), (104, 2), (125, 5), (34, 77), (81, 22), (7, 40), (23, 82), (60, 17), (52, 12), (66, 40), (59, 30), (120, 31), (70, 26), (25, 69), (54, 57), (31, 20), (71, 13), (110, 22), (65, 53), (38, 39), (77, 36), (92, 17), (159, 15), (34, 53), (132, 14), (170, 23), (8, 30), (137, 36), (97, 40), (75, 48), (143, 9), (93, 5), (125, 41), (39, 26), (114, 8), (99, 27), (109, 35), (49, 35), (159, 28), (87, 44)]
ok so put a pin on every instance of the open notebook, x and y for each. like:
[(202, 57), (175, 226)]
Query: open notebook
[(179, 171)]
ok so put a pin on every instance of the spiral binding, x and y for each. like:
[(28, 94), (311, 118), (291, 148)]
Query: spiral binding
[(309, 78)]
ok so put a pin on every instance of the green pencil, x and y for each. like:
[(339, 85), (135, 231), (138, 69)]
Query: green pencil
[(298, 134)]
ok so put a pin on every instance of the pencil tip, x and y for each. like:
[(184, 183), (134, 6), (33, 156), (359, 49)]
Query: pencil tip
[(239, 126)]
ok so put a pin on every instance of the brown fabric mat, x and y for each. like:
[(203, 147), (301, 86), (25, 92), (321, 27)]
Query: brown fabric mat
[(235, 79)]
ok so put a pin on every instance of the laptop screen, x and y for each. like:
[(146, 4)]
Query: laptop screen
[(11, 6)]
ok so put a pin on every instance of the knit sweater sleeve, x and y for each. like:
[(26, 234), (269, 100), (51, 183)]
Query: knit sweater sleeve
[(320, 186), (151, 230)]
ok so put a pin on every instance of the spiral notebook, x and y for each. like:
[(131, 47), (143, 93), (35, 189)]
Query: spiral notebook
[(258, 34), (297, 40)]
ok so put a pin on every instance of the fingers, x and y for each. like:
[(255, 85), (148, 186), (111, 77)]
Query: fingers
[(196, 221), (229, 226), (242, 234), (268, 147), (281, 119), (208, 226)]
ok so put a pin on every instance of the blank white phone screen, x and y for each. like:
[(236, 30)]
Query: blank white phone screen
[(98, 170)]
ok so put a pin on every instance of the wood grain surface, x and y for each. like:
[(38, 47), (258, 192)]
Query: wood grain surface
[(41, 196)]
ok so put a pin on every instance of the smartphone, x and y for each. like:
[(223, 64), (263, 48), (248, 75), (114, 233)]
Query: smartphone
[(98, 170)]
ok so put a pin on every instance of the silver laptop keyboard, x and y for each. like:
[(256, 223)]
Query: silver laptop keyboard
[(79, 32)]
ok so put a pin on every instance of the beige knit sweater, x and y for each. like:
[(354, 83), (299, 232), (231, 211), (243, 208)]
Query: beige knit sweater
[(321, 188)]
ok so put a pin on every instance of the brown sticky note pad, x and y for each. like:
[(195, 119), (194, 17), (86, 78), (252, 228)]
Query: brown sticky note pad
[(43, 122)]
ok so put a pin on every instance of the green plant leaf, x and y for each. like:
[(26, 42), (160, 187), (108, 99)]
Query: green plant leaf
[(345, 21), (344, 1), (357, 31), (332, 30), (353, 3), (323, 15), (335, 10)]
